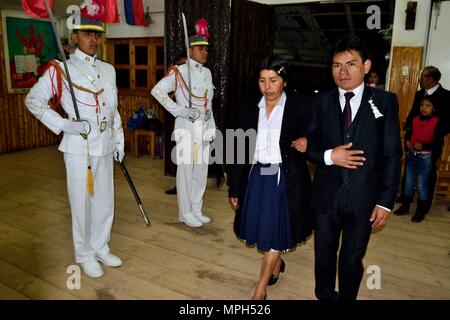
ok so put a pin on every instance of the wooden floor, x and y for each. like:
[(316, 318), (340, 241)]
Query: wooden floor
[(171, 261)]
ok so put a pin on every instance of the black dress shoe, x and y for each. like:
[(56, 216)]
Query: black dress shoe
[(172, 191), (273, 278)]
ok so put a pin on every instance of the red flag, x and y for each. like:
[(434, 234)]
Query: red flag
[(100, 10), (93, 9), (111, 12), (36, 8)]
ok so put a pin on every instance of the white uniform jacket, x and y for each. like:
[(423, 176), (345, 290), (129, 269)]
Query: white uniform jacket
[(202, 94), (94, 84)]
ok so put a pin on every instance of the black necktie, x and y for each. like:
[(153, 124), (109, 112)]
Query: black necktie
[(347, 113)]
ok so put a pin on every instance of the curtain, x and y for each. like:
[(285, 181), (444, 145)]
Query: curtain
[(252, 38)]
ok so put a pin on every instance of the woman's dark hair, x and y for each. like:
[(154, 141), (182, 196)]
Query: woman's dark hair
[(351, 42), (276, 63)]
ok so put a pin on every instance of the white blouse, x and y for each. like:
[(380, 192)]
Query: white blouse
[(269, 130)]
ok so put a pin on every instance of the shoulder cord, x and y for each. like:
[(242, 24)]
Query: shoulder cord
[(184, 88)]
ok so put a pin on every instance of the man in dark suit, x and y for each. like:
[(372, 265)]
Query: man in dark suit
[(429, 87), (355, 142)]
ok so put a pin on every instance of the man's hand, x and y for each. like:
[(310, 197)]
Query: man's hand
[(409, 145), (234, 202), (119, 154), (379, 217), (418, 146), (300, 144), (349, 159), (189, 113)]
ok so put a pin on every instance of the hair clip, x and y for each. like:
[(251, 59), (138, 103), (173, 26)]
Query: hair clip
[(281, 69)]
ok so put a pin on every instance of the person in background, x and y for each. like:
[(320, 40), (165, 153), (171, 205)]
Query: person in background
[(374, 80), (430, 86), (420, 142), (270, 191), (89, 159), (194, 127)]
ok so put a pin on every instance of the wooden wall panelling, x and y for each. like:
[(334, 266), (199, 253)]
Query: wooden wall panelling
[(405, 84)]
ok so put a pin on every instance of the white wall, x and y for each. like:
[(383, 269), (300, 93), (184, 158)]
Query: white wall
[(411, 38), (123, 30), (438, 51)]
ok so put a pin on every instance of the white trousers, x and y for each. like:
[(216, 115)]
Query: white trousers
[(191, 185), (92, 215)]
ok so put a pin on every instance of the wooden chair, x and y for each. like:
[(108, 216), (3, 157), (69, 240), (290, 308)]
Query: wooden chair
[(151, 135)]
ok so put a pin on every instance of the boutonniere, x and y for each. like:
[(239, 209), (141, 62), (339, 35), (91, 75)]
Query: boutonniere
[(375, 110)]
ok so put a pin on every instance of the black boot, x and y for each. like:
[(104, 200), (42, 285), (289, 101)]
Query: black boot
[(422, 209), (404, 208)]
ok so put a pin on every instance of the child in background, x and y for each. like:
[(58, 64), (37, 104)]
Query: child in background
[(420, 141)]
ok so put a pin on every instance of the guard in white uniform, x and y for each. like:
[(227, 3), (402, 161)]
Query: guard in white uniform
[(194, 128), (89, 161)]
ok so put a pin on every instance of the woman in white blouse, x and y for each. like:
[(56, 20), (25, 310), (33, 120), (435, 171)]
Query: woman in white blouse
[(270, 191)]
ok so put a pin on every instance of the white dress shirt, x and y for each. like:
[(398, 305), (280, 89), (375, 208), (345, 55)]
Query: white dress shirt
[(432, 90), (269, 130)]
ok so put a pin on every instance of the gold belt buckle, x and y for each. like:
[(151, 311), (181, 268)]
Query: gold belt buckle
[(102, 126)]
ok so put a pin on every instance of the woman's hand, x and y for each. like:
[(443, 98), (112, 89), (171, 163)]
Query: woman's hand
[(234, 202), (300, 144)]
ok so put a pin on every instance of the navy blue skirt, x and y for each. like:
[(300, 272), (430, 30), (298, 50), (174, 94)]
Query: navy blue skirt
[(265, 220)]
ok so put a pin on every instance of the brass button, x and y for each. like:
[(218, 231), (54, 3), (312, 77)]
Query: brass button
[(103, 104)]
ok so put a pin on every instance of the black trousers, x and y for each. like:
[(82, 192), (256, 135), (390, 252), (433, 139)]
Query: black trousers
[(340, 221)]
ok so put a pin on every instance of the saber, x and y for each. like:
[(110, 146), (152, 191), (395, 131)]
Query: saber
[(66, 69), (133, 188), (186, 42)]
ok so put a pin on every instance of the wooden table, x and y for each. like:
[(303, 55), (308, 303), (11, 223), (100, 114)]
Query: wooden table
[(151, 144)]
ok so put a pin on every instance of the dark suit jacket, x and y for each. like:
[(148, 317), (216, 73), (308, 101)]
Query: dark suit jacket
[(376, 182), (293, 162), (441, 101)]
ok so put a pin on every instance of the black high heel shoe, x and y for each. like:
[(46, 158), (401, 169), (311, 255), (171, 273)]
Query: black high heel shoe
[(273, 279)]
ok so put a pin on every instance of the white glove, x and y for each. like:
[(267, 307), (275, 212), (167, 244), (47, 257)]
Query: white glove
[(74, 127), (189, 113), (119, 154)]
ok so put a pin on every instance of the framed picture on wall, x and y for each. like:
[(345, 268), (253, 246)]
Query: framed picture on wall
[(29, 45)]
